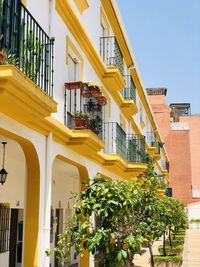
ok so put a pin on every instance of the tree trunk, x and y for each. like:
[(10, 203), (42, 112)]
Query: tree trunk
[(151, 254), (164, 250), (170, 239)]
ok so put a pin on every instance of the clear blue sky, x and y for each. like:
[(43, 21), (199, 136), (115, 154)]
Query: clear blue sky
[(165, 36)]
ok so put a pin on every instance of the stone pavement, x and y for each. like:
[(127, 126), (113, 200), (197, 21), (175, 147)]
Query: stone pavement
[(143, 260), (191, 255)]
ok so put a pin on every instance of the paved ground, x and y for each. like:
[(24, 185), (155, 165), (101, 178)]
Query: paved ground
[(191, 256), (143, 260)]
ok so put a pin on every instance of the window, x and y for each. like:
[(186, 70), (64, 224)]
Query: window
[(4, 227), (74, 61), (105, 28)]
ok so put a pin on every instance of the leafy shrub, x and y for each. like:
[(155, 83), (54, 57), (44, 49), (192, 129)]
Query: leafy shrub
[(179, 237), (174, 250), (175, 242), (195, 220), (168, 260)]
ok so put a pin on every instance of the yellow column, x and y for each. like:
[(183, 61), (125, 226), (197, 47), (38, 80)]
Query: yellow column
[(31, 220)]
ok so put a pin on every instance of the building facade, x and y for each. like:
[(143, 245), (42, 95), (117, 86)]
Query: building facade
[(181, 133), (72, 106)]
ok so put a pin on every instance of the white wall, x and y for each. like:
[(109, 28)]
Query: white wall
[(194, 211)]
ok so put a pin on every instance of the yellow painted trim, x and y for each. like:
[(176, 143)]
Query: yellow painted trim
[(164, 172), (151, 150), (104, 20), (24, 2), (110, 12), (71, 46), (160, 193), (142, 124), (21, 99), (82, 5), (87, 144)]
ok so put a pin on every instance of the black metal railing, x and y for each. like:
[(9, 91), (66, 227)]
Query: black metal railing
[(130, 147), (26, 45), (79, 105), (111, 53), (114, 138), (129, 92), (151, 140), (136, 148)]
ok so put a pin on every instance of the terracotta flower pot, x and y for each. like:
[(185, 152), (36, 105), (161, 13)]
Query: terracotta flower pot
[(95, 92), (1, 55), (80, 123), (85, 93), (102, 100)]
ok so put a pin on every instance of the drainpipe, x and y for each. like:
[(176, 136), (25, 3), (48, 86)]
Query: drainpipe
[(47, 197)]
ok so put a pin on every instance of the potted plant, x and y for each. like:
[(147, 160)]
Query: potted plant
[(95, 124), (95, 91), (85, 93), (81, 120), (102, 100)]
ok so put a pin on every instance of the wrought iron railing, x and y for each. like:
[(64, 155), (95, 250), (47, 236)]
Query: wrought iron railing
[(150, 137), (151, 140), (114, 138), (111, 53), (129, 92), (136, 148), (26, 45), (130, 147)]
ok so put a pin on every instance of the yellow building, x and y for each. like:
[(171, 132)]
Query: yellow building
[(72, 105)]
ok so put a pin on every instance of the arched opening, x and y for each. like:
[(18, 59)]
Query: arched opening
[(67, 178), (20, 194)]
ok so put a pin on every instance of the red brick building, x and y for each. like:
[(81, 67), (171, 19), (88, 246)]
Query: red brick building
[(181, 133)]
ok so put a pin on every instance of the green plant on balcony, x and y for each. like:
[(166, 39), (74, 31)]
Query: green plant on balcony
[(31, 52), (95, 124)]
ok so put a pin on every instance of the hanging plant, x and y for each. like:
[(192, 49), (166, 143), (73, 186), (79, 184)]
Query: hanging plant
[(85, 93), (102, 100), (95, 92)]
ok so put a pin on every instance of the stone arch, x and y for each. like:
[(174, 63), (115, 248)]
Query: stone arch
[(32, 195), (84, 177)]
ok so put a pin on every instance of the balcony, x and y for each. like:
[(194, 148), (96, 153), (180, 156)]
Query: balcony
[(130, 147), (84, 107), (111, 53), (25, 45), (162, 181), (154, 146), (129, 92)]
